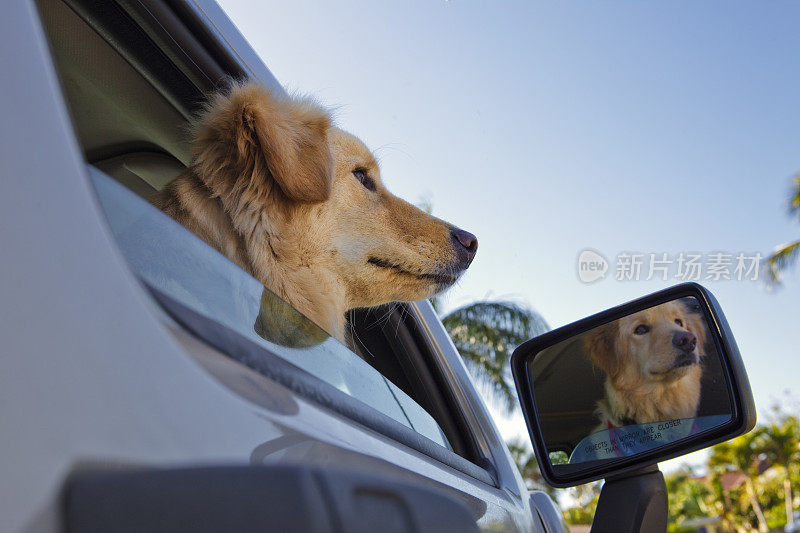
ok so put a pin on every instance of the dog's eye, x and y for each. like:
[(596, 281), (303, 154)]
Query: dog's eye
[(641, 329), (366, 181), (679, 322)]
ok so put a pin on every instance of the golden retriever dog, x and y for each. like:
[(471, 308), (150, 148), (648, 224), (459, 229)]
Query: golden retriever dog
[(299, 204), (652, 364)]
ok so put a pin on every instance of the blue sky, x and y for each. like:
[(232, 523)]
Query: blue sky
[(548, 128)]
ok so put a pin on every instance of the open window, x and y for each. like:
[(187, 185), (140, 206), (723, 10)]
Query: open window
[(132, 76)]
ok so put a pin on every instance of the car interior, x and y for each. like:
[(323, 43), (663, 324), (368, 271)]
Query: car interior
[(132, 74)]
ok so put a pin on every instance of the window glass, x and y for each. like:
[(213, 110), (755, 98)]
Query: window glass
[(179, 264)]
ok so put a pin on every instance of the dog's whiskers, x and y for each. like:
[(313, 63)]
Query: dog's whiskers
[(380, 320), (360, 343), (404, 312), (391, 146)]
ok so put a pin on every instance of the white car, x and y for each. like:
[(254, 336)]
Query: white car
[(118, 356), (136, 394)]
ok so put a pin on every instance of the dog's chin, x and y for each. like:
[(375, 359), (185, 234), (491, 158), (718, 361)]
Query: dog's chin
[(445, 284), (440, 286), (679, 368), (431, 281)]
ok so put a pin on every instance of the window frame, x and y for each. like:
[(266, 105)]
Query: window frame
[(282, 371), (279, 369)]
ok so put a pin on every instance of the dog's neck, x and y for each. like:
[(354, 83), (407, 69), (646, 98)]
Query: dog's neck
[(294, 282), (655, 402), (279, 265), (288, 269)]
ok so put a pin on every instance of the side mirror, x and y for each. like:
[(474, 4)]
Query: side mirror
[(619, 391)]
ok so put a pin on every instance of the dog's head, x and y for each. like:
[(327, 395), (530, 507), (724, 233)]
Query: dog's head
[(308, 195), (385, 248), (657, 345)]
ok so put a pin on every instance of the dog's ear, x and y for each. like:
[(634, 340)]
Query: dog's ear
[(292, 136), (601, 345), (267, 141)]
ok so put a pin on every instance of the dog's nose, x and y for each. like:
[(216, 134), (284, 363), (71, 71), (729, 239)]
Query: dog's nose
[(685, 341), (466, 245)]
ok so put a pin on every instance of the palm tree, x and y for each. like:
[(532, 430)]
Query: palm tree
[(741, 456), (785, 255), (780, 442), (720, 500), (686, 496), (485, 334)]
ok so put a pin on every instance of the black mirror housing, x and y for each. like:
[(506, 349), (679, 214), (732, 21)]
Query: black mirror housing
[(556, 368)]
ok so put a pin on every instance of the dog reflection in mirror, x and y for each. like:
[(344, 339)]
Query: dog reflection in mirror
[(652, 364)]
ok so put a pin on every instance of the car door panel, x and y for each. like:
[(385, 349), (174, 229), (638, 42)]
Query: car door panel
[(94, 372)]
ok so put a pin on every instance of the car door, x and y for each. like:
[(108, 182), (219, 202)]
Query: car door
[(104, 369)]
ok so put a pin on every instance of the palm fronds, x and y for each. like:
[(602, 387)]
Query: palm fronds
[(485, 334), (781, 259), (794, 200), (787, 254)]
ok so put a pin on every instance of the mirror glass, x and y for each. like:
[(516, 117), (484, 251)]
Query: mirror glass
[(629, 386)]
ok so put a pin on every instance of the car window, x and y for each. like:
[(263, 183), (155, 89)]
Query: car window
[(130, 116), (171, 259)]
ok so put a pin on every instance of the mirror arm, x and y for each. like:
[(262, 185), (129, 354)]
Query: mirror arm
[(633, 503)]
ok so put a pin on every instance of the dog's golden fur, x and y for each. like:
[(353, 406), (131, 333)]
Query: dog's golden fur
[(299, 204), (648, 377)]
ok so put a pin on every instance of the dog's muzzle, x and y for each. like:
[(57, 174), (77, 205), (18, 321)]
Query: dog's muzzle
[(686, 359), (684, 341), (465, 244)]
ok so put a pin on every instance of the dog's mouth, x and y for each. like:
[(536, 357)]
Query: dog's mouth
[(682, 361), (441, 278)]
